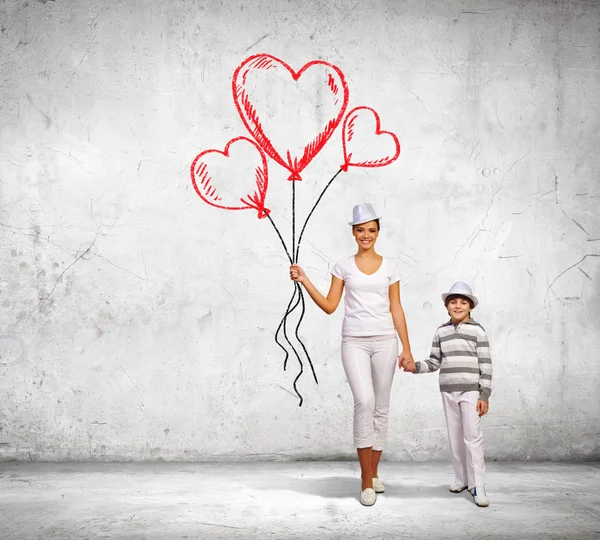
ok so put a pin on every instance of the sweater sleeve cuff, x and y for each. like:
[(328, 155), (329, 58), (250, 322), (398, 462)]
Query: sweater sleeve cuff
[(484, 394), (420, 366)]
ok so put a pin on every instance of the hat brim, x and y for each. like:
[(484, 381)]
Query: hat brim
[(366, 221), (469, 296)]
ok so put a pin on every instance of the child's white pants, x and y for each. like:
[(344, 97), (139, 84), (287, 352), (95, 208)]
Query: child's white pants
[(465, 437), (370, 364)]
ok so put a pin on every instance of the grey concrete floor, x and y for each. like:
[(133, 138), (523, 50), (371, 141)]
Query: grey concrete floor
[(297, 500)]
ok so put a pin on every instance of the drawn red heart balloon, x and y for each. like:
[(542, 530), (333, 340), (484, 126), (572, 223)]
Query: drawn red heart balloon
[(235, 178), (364, 143), (291, 114)]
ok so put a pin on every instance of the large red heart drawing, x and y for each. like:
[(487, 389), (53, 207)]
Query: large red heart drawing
[(290, 114), (364, 143), (235, 178)]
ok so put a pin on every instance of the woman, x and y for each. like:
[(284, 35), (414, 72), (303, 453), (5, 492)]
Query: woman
[(373, 316)]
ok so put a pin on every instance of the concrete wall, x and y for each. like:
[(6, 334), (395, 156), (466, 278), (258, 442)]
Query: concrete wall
[(137, 322)]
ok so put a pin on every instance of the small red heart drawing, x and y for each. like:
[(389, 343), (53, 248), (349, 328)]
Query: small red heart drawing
[(364, 143), (235, 178), (291, 114)]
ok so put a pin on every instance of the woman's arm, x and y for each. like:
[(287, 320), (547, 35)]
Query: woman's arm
[(329, 304), (400, 324)]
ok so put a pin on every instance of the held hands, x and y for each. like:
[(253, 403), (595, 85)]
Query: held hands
[(482, 407), (406, 362), (297, 274)]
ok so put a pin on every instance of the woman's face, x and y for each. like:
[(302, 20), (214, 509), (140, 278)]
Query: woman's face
[(365, 234)]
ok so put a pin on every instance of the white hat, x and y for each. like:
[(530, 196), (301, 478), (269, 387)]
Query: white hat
[(363, 213), (462, 289)]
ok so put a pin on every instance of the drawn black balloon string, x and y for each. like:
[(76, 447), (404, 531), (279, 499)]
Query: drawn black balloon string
[(296, 258), (283, 324), (300, 294), (280, 238), (294, 302), (297, 255)]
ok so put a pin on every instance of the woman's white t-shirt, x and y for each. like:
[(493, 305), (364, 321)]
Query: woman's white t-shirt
[(367, 300)]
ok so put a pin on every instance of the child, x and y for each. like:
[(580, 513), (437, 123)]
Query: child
[(461, 352)]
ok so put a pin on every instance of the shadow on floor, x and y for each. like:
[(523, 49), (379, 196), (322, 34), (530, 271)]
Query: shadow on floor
[(349, 487)]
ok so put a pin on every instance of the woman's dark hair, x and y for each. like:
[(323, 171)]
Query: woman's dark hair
[(453, 296), (376, 223)]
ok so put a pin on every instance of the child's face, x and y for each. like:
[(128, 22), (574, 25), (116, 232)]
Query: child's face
[(365, 234), (459, 309)]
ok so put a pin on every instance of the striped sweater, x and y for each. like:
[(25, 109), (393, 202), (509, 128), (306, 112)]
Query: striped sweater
[(462, 354)]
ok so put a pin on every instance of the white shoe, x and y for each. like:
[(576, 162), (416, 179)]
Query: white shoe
[(378, 486), (457, 488), (368, 497), (479, 496)]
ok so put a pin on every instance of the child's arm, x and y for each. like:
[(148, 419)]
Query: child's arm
[(485, 372), (432, 363)]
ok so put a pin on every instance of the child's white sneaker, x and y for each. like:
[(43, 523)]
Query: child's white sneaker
[(457, 488), (368, 497), (378, 485), (479, 496)]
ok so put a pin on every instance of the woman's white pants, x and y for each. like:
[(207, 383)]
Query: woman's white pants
[(370, 364)]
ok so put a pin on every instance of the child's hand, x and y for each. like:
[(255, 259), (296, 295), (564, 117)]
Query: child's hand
[(482, 407)]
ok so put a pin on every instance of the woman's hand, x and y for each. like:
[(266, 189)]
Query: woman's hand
[(482, 407), (297, 274), (407, 362)]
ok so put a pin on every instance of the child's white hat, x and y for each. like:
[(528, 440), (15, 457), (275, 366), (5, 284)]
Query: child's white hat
[(363, 213), (461, 288)]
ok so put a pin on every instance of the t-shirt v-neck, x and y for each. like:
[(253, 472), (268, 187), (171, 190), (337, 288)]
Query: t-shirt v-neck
[(364, 273), (367, 301)]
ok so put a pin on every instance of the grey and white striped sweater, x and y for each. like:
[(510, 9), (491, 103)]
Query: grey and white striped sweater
[(462, 354)]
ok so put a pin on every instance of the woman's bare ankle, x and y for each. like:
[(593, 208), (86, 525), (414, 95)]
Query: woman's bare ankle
[(367, 482)]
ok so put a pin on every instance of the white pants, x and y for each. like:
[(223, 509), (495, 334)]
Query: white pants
[(370, 364), (465, 437)]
